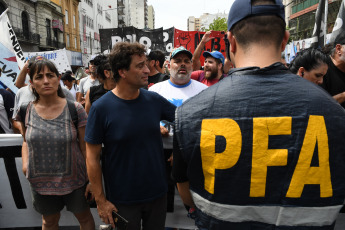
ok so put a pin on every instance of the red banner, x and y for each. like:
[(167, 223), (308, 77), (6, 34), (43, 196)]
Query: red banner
[(191, 39)]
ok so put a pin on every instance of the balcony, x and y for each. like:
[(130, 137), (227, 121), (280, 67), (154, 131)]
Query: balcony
[(55, 44), (121, 22), (27, 37), (120, 12), (120, 3)]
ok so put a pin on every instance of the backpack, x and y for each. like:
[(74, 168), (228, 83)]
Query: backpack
[(71, 107)]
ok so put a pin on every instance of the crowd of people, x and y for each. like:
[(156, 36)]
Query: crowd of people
[(249, 142)]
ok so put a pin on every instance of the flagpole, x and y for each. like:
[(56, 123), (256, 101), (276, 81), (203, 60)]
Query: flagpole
[(325, 26)]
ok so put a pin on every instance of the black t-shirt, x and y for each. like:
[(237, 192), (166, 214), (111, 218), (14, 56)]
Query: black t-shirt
[(157, 78), (334, 81), (97, 92)]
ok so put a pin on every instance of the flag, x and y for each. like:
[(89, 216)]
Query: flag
[(339, 26), (292, 52), (11, 55), (318, 37)]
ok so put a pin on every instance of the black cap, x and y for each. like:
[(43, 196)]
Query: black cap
[(242, 9), (68, 77), (340, 39)]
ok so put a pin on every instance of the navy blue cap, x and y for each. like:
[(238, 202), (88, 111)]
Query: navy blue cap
[(242, 9), (214, 54)]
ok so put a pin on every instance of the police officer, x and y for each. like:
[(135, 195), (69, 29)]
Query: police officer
[(264, 149)]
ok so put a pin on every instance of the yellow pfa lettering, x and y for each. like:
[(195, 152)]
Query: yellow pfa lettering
[(316, 134), (264, 157), (210, 128)]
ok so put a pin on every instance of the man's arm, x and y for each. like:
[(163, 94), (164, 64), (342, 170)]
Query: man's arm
[(183, 189), (87, 102), (179, 173), (340, 98), (16, 126), (104, 207), (197, 53), (25, 157), (80, 93), (20, 82)]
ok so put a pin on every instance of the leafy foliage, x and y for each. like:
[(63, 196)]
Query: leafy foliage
[(218, 24)]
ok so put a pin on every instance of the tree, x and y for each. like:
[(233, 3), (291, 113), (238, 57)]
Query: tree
[(218, 24)]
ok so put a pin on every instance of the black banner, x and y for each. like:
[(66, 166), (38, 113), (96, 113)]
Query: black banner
[(152, 39), (319, 33)]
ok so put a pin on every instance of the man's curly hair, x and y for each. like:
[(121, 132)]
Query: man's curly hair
[(120, 56)]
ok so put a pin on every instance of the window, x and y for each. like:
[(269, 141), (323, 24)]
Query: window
[(107, 16), (99, 9), (66, 17), (25, 25), (74, 21), (67, 40), (75, 42), (48, 29)]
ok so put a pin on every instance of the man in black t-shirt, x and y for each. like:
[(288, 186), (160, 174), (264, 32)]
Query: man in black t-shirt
[(334, 80), (155, 61)]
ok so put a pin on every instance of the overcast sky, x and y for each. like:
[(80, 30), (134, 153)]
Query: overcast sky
[(176, 12)]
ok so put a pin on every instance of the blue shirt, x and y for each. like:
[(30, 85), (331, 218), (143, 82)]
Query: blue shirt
[(133, 159)]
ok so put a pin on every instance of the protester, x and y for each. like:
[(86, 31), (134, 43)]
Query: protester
[(106, 78), (69, 81), (310, 64), (159, 58), (87, 82), (176, 90), (25, 94), (213, 65), (155, 61), (6, 110), (333, 81), (126, 120), (264, 148), (53, 150)]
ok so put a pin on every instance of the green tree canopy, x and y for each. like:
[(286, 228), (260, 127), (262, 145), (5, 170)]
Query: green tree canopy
[(218, 24)]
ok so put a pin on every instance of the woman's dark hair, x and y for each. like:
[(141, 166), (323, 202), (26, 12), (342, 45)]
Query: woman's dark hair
[(309, 59), (102, 63), (37, 67)]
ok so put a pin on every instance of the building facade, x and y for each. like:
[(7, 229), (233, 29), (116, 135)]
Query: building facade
[(32, 22), (138, 13), (96, 15), (151, 17), (300, 17), (44, 25), (203, 22), (193, 23)]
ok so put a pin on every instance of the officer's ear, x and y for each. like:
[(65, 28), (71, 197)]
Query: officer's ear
[(233, 42), (285, 40)]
